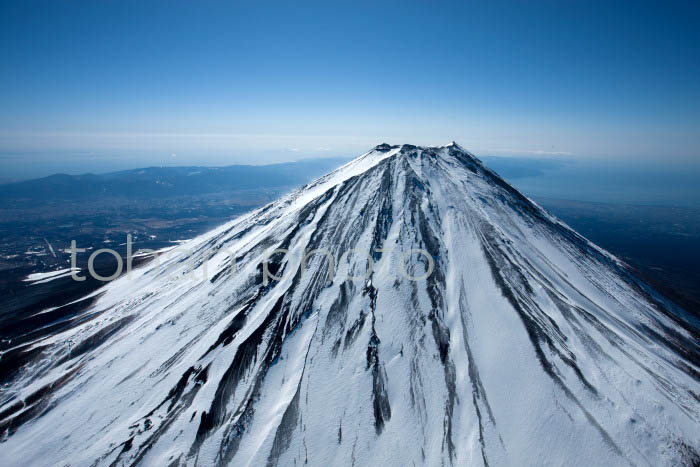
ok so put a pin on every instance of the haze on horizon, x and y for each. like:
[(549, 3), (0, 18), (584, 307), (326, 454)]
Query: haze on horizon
[(99, 86)]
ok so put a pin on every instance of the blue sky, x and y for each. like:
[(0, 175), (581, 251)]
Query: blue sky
[(111, 84)]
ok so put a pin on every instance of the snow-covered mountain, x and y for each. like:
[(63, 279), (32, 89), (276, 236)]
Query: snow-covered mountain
[(486, 332)]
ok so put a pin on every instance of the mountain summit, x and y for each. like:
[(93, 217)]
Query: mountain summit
[(409, 308)]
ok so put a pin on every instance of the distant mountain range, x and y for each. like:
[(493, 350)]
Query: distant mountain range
[(166, 181)]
